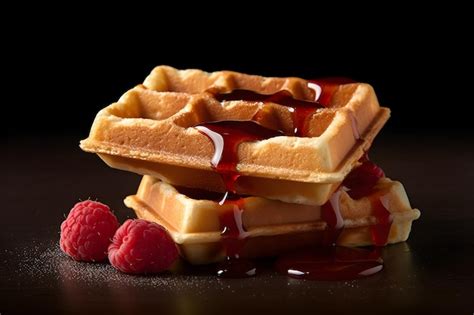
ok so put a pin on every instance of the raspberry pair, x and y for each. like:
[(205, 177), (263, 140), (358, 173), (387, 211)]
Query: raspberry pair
[(91, 233)]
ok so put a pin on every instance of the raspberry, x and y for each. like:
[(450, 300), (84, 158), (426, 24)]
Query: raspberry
[(87, 231), (141, 247)]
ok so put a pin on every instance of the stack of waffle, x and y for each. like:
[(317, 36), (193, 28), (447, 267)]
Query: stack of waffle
[(256, 160)]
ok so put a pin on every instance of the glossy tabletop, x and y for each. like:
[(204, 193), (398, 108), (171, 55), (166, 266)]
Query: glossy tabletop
[(44, 177)]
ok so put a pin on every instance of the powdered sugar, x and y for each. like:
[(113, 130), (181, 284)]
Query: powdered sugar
[(44, 265), (40, 263)]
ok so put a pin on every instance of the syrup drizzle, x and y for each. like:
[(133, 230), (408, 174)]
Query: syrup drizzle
[(232, 231), (380, 231), (360, 183), (328, 88), (326, 263), (301, 110), (331, 262), (233, 239), (331, 214), (226, 137)]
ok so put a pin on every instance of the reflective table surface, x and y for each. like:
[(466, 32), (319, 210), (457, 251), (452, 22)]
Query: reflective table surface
[(433, 271)]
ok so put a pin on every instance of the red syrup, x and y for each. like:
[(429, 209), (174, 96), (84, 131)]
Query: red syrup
[(327, 88), (233, 240), (380, 231), (226, 137), (331, 262), (331, 214), (301, 110), (361, 182), (233, 232)]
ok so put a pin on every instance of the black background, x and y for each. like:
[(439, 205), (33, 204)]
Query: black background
[(63, 73), (60, 70)]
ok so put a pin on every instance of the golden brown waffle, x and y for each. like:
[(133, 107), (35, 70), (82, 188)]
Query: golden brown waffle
[(150, 131), (271, 226)]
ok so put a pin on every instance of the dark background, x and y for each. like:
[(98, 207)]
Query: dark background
[(61, 71), (64, 73)]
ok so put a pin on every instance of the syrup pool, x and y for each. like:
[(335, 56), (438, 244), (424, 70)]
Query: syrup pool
[(330, 263)]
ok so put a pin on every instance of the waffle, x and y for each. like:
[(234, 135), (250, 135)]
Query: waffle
[(150, 131), (271, 227)]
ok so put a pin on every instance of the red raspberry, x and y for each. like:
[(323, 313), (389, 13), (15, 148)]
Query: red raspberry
[(87, 231), (140, 246)]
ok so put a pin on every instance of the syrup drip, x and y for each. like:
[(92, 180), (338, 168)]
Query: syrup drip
[(380, 231), (233, 239), (361, 182), (339, 263), (233, 232), (226, 137), (331, 214)]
